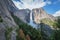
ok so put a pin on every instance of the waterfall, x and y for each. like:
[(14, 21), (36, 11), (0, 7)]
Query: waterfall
[(31, 21)]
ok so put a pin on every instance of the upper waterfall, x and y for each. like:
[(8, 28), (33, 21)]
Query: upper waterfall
[(31, 21), (31, 16)]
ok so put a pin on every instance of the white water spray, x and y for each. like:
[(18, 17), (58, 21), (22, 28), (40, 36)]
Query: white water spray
[(31, 16)]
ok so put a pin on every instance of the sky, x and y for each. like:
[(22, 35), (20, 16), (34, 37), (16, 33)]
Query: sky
[(50, 6)]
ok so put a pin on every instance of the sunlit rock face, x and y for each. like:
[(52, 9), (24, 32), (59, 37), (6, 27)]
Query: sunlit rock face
[(39, 14)]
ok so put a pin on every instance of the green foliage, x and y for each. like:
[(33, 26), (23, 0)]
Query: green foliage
[(8, 33), (48, 21), (52, 37), (30, 31), (1, 20), (43, 36), (58, 23), (57, 35), (57, 32)]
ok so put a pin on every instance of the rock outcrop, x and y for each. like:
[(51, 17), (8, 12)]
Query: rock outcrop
[(6, 7), (23, 14), (39, 14)]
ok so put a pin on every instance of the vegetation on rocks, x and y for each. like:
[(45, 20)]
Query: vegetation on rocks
[(26, 32), (48, 21), (1, 20), (8, 33), (32, 32)]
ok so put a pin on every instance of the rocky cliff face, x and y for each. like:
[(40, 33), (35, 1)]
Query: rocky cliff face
[(10, 5), (23, 14), (39, 14), (5, 12), (5, 7)]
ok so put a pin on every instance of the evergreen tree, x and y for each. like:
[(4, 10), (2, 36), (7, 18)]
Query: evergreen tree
[(43, 36), (8, 33), (57, 31)]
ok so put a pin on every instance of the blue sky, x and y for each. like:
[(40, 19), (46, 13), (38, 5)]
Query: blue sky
[(53, 7), (50, 6)]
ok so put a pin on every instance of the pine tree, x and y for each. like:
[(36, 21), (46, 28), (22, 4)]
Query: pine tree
[(43, 36), (57, 31)]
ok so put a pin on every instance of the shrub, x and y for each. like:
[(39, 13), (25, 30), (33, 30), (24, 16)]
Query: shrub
[(1, 20)]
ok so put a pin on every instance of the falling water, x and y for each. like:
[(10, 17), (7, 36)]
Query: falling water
[(31, 21)]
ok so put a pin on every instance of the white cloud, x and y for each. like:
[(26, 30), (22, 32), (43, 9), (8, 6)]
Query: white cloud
[(57, 13), (30, 4)]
